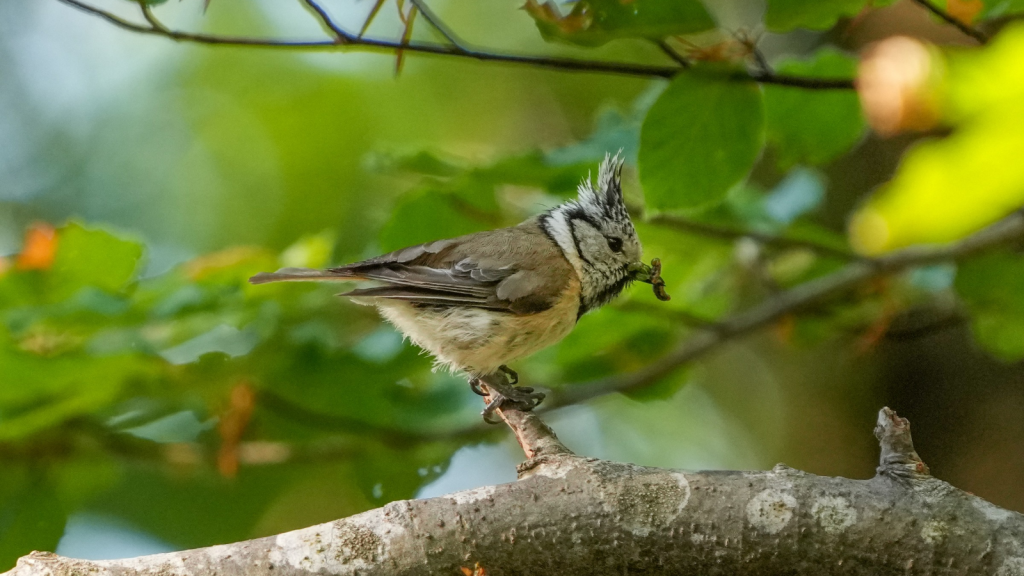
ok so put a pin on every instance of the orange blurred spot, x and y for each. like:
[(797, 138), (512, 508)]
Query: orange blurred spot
[(478, 570), (964, 10), (785, 327), (874, 333), (232, 426), (894, 81), (40, 248)]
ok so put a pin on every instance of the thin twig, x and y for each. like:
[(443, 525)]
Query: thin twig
[(534, 436), (378, 45), (960, 25), (340, 35), (408, 20), (676, 315), (799, 81), (671, 53), (438, 24), (369, 18), (791, 301), (713, 231), (147, 13)]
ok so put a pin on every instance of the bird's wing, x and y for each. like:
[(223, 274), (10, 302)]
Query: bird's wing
[(495, 270)]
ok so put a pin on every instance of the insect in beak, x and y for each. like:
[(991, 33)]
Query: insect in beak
[(650, 275)]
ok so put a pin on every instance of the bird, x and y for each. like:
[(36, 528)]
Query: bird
[(480, 301)]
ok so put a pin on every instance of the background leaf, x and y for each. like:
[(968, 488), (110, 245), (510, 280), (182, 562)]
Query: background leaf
[(785, 15), (700, 138), (595, 22), (813, 127), (992, 287), (92, 257)]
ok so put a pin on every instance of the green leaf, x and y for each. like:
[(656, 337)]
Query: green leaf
[(700, 138), (426, 216), (50, 391), (181, 426), (91, 257), (31, 517), (785, 15), (992, 286), (595, 22), (813, 126), (998, 8)]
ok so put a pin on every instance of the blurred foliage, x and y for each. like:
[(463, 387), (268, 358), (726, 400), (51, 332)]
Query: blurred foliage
[(143, 379), (699, 139), (785, 15), (948, 187), (596, 22), (813, 128), (991, 286)]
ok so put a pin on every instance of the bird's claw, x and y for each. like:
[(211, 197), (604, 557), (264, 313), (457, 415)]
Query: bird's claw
[(505, 394), (523, 400), (513, 376)]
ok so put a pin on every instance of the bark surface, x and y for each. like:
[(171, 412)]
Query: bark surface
[(570, 515)]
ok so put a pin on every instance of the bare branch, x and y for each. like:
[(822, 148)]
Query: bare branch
[(147, 13), (898, 458), (353, 42), (726, 233), (340, 35), (438, 24), (967, 29), (791, 301), (671, 53), (577, 516), (369, 17), (681, 316)]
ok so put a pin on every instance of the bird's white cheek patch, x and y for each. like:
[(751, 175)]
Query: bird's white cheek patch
[(771, 510)]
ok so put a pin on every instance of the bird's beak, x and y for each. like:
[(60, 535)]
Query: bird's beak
[(640, 272)]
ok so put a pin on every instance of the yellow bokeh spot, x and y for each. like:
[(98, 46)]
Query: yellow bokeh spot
[(950, 187)]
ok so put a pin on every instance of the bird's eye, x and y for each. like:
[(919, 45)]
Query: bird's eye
[(615, 244)]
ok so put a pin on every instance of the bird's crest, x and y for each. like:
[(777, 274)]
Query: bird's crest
[(605, 202)]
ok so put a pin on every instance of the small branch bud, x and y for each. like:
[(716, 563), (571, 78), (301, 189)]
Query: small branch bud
[(898, 459)]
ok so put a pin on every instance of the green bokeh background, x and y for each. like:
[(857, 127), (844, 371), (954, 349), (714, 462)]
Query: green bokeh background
[(174, 171)]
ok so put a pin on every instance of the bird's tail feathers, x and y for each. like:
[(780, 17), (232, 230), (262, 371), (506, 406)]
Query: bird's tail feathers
[(302, 275)]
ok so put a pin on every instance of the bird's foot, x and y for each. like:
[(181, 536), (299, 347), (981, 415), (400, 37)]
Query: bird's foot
[(505, 394), (513, 376)]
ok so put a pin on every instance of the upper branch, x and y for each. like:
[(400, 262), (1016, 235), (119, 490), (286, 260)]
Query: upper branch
[(795, 299), (714, 231), (960, 25), (346, 41)]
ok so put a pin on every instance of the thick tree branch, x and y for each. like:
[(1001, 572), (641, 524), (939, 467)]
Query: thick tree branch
[(345, 41), (960, 25), (791, 301), (572, 516)]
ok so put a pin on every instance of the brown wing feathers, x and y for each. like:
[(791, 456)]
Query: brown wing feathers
[(513, 269)]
